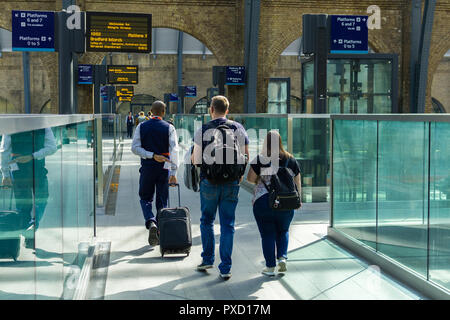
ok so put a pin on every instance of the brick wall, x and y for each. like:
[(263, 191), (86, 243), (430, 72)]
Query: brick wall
[(219, 24)]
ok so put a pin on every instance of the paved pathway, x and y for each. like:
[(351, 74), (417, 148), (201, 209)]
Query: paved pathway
[(317, 268)]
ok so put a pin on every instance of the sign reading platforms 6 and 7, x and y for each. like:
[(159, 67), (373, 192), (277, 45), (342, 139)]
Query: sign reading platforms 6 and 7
[(349, 34), (33, 31)]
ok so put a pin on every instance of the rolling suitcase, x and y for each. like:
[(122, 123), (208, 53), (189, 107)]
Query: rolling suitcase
[(10, 228), (175, 233)]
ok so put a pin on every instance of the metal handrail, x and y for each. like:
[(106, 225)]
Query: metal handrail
[(15, 123), (406, 117)]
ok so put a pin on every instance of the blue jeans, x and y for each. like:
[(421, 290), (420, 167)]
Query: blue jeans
[(274, 229), (153, 179), (225, 198)]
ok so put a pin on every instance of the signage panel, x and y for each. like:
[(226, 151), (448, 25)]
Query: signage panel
[(125, 93), (190, 91), (235, 75), (85, 74), (173, 97), (122, 74), (104, 93), (118, 32), (33, 31), (349, 34)]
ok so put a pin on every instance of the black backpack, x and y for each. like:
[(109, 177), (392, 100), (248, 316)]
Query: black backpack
[(283, 192), (218, 170)]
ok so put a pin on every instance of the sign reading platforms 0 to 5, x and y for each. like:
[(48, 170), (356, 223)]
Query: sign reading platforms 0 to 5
[(123, 75), (349, 34), (33, 31), (118, 32)]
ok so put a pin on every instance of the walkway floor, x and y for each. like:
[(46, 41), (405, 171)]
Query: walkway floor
[(317, 267)]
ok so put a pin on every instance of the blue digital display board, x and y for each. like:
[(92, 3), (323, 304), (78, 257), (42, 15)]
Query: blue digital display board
[(33, 31), (190, 91), (349, 34), (235, 75), (85, 74)]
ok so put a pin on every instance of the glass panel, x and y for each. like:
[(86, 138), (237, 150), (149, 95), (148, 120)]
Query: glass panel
[(49, 222), (439, 271), (311, 149), (17, 279), (403, 193), (359, 86), (277, 96), (69, 194), (85, 179), (354, 179), (308, 87)]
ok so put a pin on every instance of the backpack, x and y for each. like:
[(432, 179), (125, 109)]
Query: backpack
[(223, 147), (283, 193)]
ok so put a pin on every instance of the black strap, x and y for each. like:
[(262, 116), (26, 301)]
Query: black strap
[(285, 166)]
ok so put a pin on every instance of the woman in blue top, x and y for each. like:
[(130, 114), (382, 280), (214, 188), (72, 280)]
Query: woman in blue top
[(273, 225)]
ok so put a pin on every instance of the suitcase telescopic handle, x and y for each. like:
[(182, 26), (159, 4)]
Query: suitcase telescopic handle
[(179, 195)]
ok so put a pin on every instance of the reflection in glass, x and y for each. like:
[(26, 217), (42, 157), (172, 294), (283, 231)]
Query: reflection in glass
[(354, 183)]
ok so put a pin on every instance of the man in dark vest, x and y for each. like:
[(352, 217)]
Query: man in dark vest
[(130, 125), (156, 142)]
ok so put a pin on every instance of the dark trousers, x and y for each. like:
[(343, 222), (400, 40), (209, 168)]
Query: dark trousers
[(129, 130), (26, 184), (153, 179), (274, 229)]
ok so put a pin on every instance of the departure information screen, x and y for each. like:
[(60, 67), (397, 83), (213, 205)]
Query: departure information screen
[(125, 93), (123, 74), (118, 32)]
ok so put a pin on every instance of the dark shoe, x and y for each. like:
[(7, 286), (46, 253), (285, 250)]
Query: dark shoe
[(204, 266), (153, 238)]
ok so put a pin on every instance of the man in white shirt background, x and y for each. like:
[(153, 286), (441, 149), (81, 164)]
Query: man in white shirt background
[(155, 141)]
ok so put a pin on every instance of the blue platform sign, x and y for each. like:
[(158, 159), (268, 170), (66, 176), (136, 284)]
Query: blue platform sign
[(33, 31), (104, 93), (85, 74), (349, 34), (173, 97), (190, 91), (235, 75)]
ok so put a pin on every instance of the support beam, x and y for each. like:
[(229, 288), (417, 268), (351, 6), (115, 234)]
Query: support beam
[(154, 38), (180, 72), (251, 30), (425, 41), (26, 81), (416, 22)]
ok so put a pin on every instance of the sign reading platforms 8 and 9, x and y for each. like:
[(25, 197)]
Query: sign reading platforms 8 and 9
[(118, 32), (33, 31), (123, 75)]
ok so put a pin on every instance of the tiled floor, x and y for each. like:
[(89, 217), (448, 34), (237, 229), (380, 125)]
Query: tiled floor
[(317, 267)]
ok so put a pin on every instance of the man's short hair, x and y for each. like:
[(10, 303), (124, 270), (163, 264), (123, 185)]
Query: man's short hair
[(220, 104), (158, 107)]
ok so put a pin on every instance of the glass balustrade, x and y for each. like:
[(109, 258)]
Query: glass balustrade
[(391, 190), (47, 199)]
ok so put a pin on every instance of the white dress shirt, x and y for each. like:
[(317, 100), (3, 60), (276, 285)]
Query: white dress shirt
[(137, 149), (5, 151)]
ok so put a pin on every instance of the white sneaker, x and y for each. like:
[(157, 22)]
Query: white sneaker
[(225, 276), (269, 271), (282, 265)]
